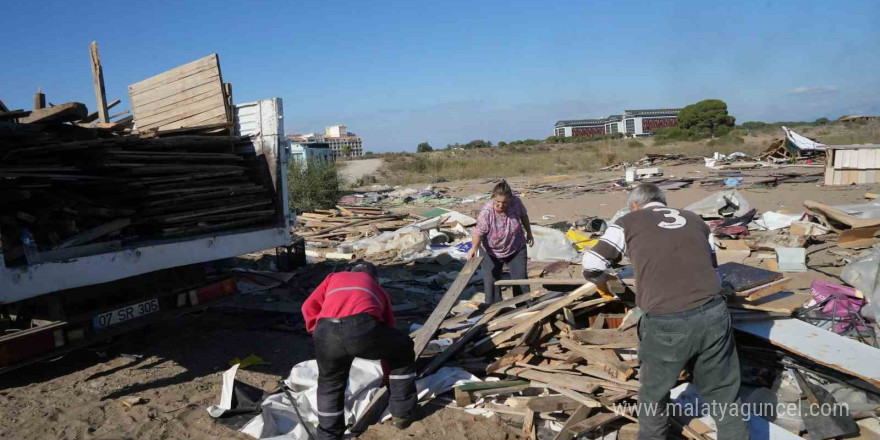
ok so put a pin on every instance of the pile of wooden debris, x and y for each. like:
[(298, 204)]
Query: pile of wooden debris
[(72, 187), (560, 364)]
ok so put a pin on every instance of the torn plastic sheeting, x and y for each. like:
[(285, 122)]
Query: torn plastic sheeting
[(772, 221), (551, 245), (721, 204), (279, 421), (861, 273)]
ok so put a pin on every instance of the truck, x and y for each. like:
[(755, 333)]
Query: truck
[(50, 308)]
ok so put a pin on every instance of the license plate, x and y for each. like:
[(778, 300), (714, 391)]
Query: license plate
[(125, 314)]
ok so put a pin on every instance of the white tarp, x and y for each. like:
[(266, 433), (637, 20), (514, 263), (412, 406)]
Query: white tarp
[(551, 245), (772, 221), (802, 143), (278, 420), (713, 205)]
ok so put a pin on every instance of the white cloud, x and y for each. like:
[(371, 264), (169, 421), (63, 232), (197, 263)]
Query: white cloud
[(815, 90)]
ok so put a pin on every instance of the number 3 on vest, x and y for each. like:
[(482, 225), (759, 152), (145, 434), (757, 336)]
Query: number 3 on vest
[(676, 222)]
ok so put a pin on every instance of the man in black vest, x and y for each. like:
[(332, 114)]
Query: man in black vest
[(685, 317)]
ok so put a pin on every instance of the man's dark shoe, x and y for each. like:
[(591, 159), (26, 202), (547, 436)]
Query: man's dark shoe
[(401, 422), (404, 422)]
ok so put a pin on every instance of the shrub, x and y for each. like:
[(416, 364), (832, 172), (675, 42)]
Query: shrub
[(502, 144), (313, 185), (424, 147), (633, 143)]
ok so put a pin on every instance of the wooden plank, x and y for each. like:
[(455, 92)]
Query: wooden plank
[(555, 403), (779, 302), (94, 115), (593, 422), (93, 234), (98, 83), (529, 425), (577, 397), (429, 328), (579, 415), (557, 381), (39, 99), (181, 112), (605, 336), (169, 75), (756, 293), (821, 346), (541, 281), (71, 111), (607, 359), (214, 116), (156, 109), (179, 99), (838, 177), (489, 343), (207, 77), (859, 237)]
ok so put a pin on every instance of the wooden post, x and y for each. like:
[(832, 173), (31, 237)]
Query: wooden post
[(98, 81), (39, 99)]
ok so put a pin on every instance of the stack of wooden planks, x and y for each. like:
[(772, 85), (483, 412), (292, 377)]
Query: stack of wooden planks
[(82, 191), (191, 95), (325, 228)]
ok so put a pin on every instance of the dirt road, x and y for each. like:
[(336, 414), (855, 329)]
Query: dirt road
[(356, 169)]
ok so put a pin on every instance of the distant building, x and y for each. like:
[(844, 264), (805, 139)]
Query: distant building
[(632, 123), (337, 137), (310, 150)]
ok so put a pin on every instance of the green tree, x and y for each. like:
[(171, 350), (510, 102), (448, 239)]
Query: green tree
[(313, 184), (478, 143), (502, 144), (346, 151), (424, 147), (706, 118), (821, 121)]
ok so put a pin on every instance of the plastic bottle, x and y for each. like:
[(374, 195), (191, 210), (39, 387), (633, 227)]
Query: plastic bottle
[(31, 253)]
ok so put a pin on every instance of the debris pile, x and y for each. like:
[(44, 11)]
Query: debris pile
[(73, 188)]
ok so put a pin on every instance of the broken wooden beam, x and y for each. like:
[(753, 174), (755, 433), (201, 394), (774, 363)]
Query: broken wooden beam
[(607, 358), (491, 342), (69, 112), (98, 83)]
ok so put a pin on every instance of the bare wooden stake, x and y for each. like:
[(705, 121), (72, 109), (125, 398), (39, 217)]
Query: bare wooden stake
[(39, 99), (98, 82)]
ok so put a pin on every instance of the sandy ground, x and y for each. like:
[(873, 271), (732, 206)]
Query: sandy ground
[(356, 169), (177, 365)]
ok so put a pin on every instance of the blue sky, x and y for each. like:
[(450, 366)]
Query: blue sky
[(403, 72)]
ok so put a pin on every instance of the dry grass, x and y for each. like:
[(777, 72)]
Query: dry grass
[(441, 166)]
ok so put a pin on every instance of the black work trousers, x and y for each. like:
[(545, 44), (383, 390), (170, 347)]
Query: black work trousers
[(337, 343), (493, 267), (669, 342)]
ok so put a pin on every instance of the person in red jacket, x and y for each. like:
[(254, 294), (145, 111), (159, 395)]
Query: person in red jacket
[(349, 315)]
